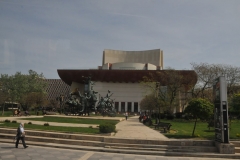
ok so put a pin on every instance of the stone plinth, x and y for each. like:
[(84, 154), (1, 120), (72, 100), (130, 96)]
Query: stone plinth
[(225, 148)]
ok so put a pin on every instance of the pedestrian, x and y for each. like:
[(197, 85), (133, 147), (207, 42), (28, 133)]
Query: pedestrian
[(21, 136), (126, 115)]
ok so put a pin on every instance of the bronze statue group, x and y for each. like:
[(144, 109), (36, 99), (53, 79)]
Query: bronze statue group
[(83, 104)]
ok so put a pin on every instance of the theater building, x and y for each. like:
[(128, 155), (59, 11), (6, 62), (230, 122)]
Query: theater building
[(121, 73)]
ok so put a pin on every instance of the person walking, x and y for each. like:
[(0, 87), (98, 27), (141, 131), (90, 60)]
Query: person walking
[(126, 115), (21, 135)]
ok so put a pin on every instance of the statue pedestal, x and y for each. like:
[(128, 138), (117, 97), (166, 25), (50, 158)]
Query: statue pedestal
[(225, 148)]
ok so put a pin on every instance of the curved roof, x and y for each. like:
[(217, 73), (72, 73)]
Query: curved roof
[(124, 76)]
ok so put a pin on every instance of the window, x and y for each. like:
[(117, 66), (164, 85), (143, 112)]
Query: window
[(122, 106), (135, 106), (116, 106), (129, 106)]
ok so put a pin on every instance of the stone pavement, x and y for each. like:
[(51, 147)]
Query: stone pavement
[(133, 129), (9, 152)]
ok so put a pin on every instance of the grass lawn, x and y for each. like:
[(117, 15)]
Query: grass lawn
[(77, 120), (83, 130), (6, 113), (183, 129)]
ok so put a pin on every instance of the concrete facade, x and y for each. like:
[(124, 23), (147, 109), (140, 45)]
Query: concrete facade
[(154, 57), (126, 96)]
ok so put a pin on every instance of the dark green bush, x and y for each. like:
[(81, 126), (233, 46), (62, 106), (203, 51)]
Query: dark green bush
[(14, 121), (7, 120), (29, 122), (170, 116), (162, 116), (179, 115), (107, 128), (188, 117), (46, 124)]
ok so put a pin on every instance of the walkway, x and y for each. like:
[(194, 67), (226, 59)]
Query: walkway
[(132, 128)]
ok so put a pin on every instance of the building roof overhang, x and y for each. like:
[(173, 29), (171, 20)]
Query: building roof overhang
[(121, 76)]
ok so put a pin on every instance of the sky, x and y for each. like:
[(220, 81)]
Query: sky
[(46, 35)]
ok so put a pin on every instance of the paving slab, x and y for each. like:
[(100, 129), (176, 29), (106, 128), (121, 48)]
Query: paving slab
[(134, 129)]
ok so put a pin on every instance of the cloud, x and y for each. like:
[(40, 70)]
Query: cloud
[(47, 35)]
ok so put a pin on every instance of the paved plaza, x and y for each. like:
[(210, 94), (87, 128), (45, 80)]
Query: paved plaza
[(131, 129), (9, 152)]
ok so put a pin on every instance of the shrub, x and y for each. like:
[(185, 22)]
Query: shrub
[(162, 115), (7, 120), (170, 116), (29, 122), (188, 117), (179, 115), (46, 124), (14, 121), (107, 128)]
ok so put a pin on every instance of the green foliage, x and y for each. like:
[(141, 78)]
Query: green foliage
[(170, 116), (29, 122), (150, 102), (200, 108), (107, 128), (235, 103), (19, 85), (179, 114), (14, 121)]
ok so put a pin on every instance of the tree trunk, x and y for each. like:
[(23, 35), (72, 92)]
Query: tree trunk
[(3, 109), (194, 127)]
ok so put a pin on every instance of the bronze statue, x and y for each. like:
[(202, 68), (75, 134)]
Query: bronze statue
[(83, 104)]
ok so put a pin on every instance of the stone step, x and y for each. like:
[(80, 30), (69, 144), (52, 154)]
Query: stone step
[(237, 149), (55, 134), (181, 145), (128, 151), (110, 139), (236, 143), (113, 145), (169, 148), (237, 146)]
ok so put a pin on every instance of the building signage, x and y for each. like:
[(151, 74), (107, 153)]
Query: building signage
[(221, 110)]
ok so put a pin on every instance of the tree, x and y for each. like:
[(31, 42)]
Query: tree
[(207, 73), (149, 102), (19, 85), (235, 103), (3, 98), (33, 99), (167, 85), (199, 108)]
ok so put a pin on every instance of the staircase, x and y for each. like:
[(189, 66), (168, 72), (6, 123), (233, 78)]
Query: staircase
[(106, 143)]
